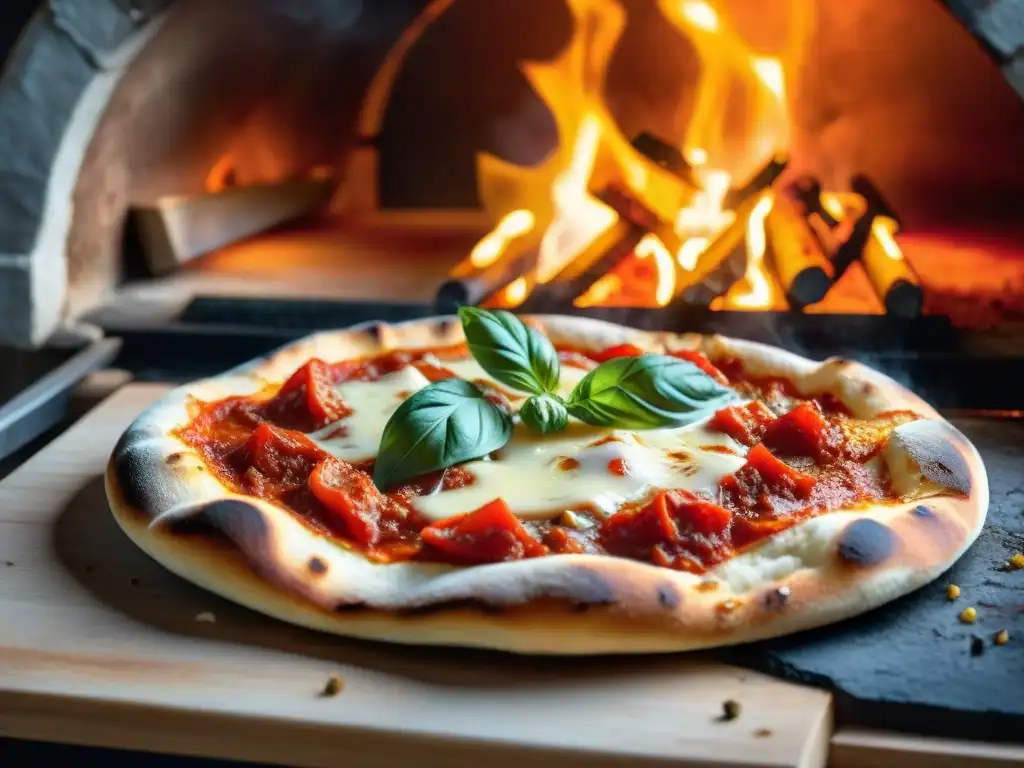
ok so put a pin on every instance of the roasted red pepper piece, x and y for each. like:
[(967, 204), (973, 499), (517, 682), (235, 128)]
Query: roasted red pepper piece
[(491, 534), (563, 541), (350, 495), (743, 423), (307, 401), (285, 458), (433, 372), (804, 431), (619, 350), (778, 474), (675, 529), (766, 487), (701, 361)]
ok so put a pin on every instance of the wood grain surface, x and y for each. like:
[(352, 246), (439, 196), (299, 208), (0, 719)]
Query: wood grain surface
[(101, 646)]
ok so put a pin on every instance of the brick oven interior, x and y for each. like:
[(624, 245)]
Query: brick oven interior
[(232, 175)]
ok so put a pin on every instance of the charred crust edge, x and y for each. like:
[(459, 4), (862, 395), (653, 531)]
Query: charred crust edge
[(777, 599), (668, 596), (938, 450), (866, 542), (317, 565), (375, 331), (133, 465)]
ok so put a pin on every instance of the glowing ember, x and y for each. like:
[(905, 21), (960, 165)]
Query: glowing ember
[(651, 246), (515, 293), (756, 290), (884, 229), (515, 224)]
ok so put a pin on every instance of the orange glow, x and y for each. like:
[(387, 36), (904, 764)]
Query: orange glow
[(690, 252), (573, 227), (513, 225), (220, 176), (700, 15), (755, 291), (884, 230), (666, 286), (515, 293), (600, 292)]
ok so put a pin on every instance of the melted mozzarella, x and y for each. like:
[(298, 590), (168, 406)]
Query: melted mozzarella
[(357, 437), (530, 473)]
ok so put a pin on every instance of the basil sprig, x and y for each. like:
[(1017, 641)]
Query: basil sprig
[(450, 421), (544, 413), (645, 392), (511, 351), (441, 425)]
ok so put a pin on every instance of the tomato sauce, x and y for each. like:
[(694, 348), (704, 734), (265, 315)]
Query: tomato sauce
[(805, 457)]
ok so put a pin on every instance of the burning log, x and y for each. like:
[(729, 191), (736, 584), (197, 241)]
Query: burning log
[(665, 156), (507, 253), (591, 264), (894, 280), (796, 254), (723, 262), (763, 179), (863, 226)]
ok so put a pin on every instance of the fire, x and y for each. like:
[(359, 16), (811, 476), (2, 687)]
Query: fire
[(756, 290), (556, 208), (884, 229), (490, 248), (515, 292)]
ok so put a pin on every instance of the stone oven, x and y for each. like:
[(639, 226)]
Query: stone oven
[(859, 157)]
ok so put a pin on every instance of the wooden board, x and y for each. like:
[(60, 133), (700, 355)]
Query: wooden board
[(101, 646)]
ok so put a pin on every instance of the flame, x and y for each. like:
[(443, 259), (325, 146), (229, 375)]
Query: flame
[(756, 290), (512, 226), (700, 15), (690, 252), (515, 293), (579, 217), (649, 246), (221, 175), (569, 222), (600, 292), (884, 230)]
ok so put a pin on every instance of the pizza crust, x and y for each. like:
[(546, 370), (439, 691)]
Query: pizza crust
[(820, 571)]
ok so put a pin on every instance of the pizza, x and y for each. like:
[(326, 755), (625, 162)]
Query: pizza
[(575, 487)]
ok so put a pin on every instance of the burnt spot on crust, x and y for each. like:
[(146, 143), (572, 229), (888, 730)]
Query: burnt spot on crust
[(866, 543), (777, 599), (668, 596), (583, 588), (937, 448), (317, 565), (376, 331), (448, 324), (922, 511), (174, 458), (351, 607), (135, 461), (469, 604)]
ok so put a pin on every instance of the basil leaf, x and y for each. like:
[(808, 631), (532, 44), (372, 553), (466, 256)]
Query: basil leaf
[(444, 423), (513, 353), (645, 392), (544, 413)]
